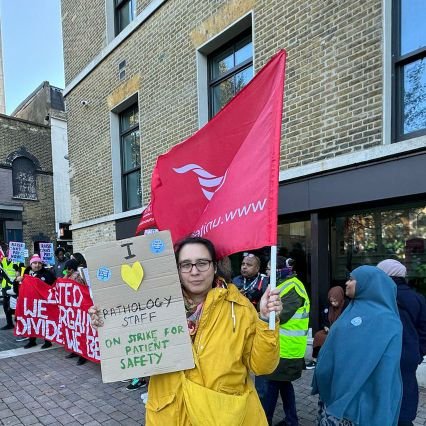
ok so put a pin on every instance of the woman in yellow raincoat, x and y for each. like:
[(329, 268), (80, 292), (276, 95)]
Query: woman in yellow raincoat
[(230, 339)]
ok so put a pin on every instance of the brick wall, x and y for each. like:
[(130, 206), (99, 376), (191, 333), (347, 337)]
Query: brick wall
[(89, 236), (84, 30), (15, 133), (333, 97), (38, 216)]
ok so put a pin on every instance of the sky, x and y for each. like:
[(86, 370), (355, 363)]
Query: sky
[(32, 47)]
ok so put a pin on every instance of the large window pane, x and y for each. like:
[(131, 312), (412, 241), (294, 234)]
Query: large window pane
[(230, 70), (222, 94), (294, 241), (131, 151), (222, 63), (413, 19), (415, 96), (130, 158), (242, 78), (243, 50), (129, 119), (370, 237), (123, 14), (133, 190)]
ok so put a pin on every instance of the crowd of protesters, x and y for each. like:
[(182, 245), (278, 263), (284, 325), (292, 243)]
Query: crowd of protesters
[(380, 314)]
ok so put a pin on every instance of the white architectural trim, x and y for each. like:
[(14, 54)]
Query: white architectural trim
[(109, 218), (354, 158), (13, 208), (132, 27)]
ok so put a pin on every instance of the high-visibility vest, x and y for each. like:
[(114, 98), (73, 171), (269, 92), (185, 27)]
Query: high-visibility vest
[(294, 333), (8, 269)]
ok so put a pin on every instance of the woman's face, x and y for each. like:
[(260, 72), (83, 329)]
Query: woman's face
[(195, 282), (334, 302), (350, 287), (36, 266)]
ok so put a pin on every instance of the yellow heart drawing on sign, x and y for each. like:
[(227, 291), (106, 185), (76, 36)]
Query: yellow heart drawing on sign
[(132, 275)]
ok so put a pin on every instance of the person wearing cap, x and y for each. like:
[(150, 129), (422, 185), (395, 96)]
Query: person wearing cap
[(251, 283), (412, 312), (37, 270)]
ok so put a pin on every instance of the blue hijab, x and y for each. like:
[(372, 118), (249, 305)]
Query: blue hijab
[(358, 376)]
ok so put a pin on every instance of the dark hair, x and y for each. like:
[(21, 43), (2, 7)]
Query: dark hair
[(196, 240), (58, 250), (224, 269), (71, 264), (281, 262), (80, 259)]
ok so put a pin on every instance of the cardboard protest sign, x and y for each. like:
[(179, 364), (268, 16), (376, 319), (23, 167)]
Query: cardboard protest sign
[(16, 252), (136, 287), (47, 254), (57, 313)]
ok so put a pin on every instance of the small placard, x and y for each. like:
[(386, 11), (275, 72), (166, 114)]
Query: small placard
[(16, 252), (47, 254)]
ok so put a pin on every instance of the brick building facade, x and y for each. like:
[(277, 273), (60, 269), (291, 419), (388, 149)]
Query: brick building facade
[(350, 159), (26, 192)]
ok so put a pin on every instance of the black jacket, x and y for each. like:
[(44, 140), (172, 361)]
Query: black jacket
[(44, 274), (412, 311)]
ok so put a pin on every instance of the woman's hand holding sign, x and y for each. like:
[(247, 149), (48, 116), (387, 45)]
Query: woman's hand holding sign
[(94, 317)]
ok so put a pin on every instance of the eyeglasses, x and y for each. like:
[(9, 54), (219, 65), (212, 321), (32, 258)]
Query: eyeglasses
[(248, 255), (202, 265)]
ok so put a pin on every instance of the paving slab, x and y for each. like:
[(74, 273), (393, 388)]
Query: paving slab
[(42, 387)]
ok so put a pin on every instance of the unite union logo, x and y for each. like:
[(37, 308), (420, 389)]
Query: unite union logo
[(209, 183)]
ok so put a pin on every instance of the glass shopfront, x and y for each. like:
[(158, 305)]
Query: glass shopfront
[(294, 240), (369, 236)]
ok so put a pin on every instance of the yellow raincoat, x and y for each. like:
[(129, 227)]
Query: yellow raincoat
[(231, 341)]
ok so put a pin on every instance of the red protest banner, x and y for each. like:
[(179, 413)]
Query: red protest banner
[(222, 182), (57, 313)]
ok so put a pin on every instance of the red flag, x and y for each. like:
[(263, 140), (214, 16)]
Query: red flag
[(147, 220), (222, 182)]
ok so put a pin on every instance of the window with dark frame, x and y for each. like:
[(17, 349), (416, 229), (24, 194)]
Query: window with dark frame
[(123, 14), (409, 69), (230, 69), (24, 179), (130, 158)]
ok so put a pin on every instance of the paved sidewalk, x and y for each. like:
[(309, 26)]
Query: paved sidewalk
[(42, 387)]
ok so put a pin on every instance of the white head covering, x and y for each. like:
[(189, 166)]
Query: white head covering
[(393, 268)]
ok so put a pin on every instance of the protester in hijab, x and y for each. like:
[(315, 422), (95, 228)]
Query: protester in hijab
[(294, 323), (357, 377), (230, 340), (336, 305), (38, 270), (412, 311)]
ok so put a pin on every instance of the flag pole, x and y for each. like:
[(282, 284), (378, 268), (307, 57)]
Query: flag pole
[(273, 283)]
